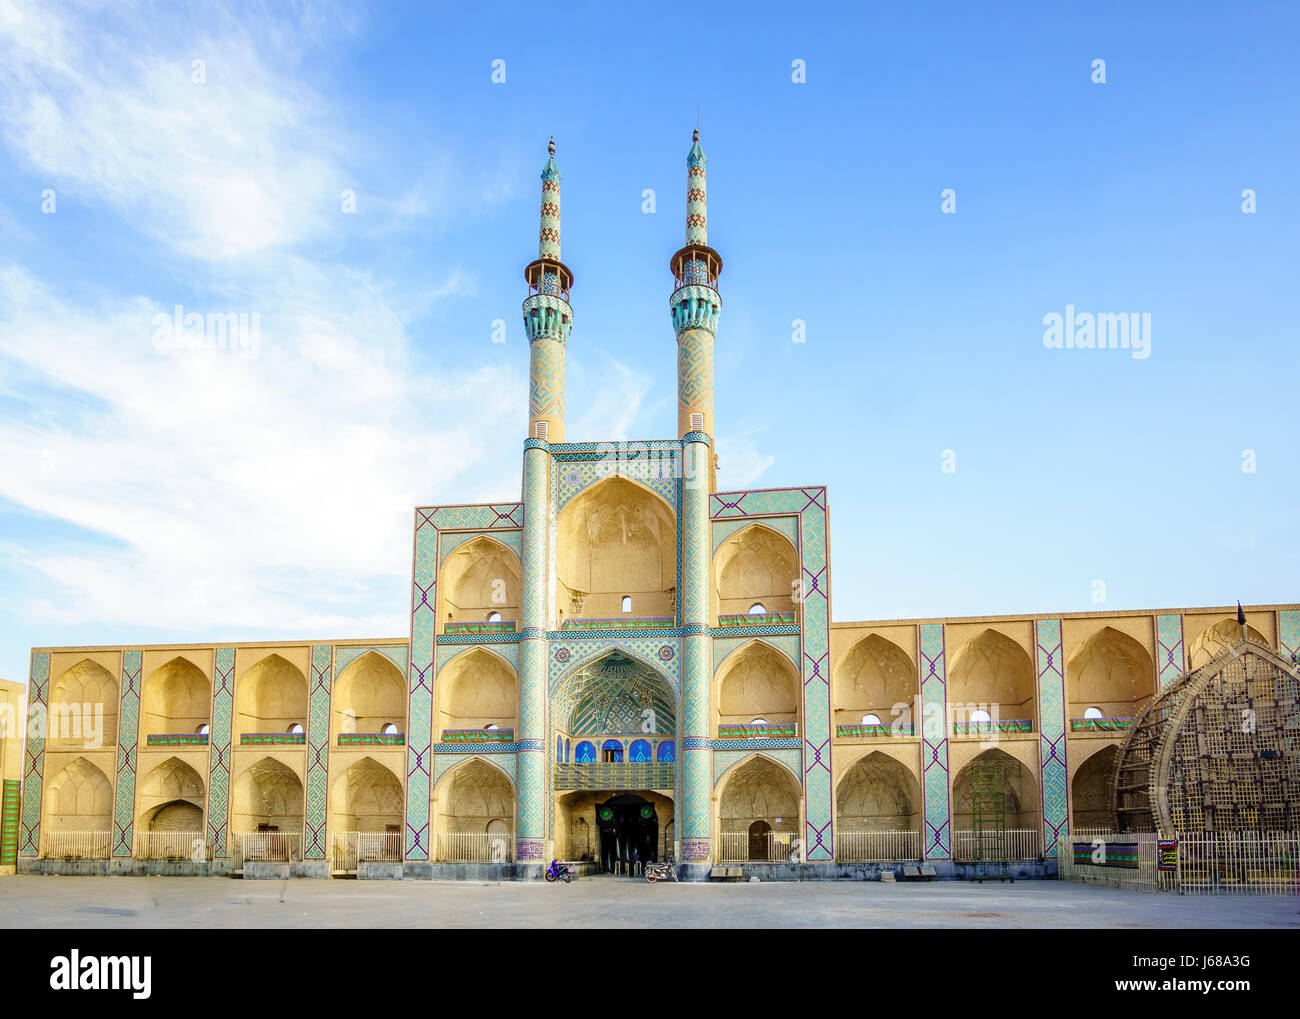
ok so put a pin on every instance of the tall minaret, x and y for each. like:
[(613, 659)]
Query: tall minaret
[(547, 315), (547, 320), (695, 306)]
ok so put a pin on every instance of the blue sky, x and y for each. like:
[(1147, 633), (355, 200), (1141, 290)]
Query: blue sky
[(159, 495)]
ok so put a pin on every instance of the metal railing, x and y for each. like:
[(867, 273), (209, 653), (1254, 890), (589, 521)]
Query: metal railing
[(353, 847), (1118, 861), (1239, 863), (76, 845), (1011, 844), (877, 846), (171, 845), (476, 847), (774, 847), (267, 846)]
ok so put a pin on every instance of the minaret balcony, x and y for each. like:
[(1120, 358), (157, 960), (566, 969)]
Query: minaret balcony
[(547, 317), (695, 307)]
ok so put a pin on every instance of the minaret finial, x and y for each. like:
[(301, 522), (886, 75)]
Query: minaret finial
[(551, 147)]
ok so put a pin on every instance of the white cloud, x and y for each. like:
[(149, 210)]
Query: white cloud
[(740, 464)]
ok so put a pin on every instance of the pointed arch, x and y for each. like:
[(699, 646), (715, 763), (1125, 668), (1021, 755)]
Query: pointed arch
[(1214, 640), (755, 565), (271, 696), (176, 699), (474, 690), (268, 795), (758, 681), (1109, 671), (366, 798), (993, 673), (470, 796), (369, 694), (171, 798), (480, 577), (878, 793), (1019, 792), (83, 705), (609, 692), (758, 797), (79, 798), (1092, 793), (616, 539), (874, 676)]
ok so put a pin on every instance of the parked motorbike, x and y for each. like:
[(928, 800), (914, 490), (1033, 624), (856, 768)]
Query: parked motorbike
[(558, 872), (661, 871)]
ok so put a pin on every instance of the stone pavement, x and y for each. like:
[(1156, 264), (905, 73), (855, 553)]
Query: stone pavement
[(125, 902)]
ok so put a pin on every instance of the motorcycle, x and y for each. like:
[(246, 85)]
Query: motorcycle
[(661, 871), (556, 872)]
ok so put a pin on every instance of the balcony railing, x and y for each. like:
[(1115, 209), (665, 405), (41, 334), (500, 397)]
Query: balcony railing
[(288, 738), (871, 731), (740, 847), (877, 846), (1100, 724), (621, 623), (267, 846), (76, 845), (1008, 845), (608, 775), (478, 735), (988, 728), (479, 627), (476, 847), (382, 739), (171, 845), (176, 739), (770, 730), (763, 619)]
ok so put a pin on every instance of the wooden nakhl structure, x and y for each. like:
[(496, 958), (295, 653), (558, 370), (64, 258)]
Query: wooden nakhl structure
[(1218, 750)]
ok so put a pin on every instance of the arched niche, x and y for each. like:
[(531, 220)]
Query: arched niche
[(616, 540), (878, 794), (471, 797), (480, 578), (474, 690), (366, 798), (756, 565), (176, 699), (267, 796), (270, 697), (875, 677), (1110, 671), (171, 799), (991, 672), (1214, 640), (1019, 792), (369, 694), (79, 799), (1091, 792), (757, 681), (83, 707), (758, 797)]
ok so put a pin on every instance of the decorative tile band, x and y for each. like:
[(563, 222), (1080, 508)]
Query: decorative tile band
[(478, 735), (9, 823), (753, 744), (1050, 660), (1288, 634), (475, 748), (1100, 724), (287, 738), (223, 698), (1169, 649), (176, 739), (452, 628), (29, 830), (760, 619), (382, 739), (872, 731), (127, 749), (318, 752), (480, 638), (985, 728), (757, 731), (934, 747)]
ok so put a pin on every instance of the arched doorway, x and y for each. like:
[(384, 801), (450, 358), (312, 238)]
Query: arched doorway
[(628, 831), (758, 833), (759, 790)]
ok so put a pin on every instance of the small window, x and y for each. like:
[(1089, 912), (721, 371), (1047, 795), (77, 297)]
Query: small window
[(389, 729), (980, 716), (757, 609), (491, 727), (296, 729), (758, 721), (870, 719), (627, 603), (1094, 713), (494, 617), (202, 730)]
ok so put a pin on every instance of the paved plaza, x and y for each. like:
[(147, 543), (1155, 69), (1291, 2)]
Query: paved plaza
[(64, 902)]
